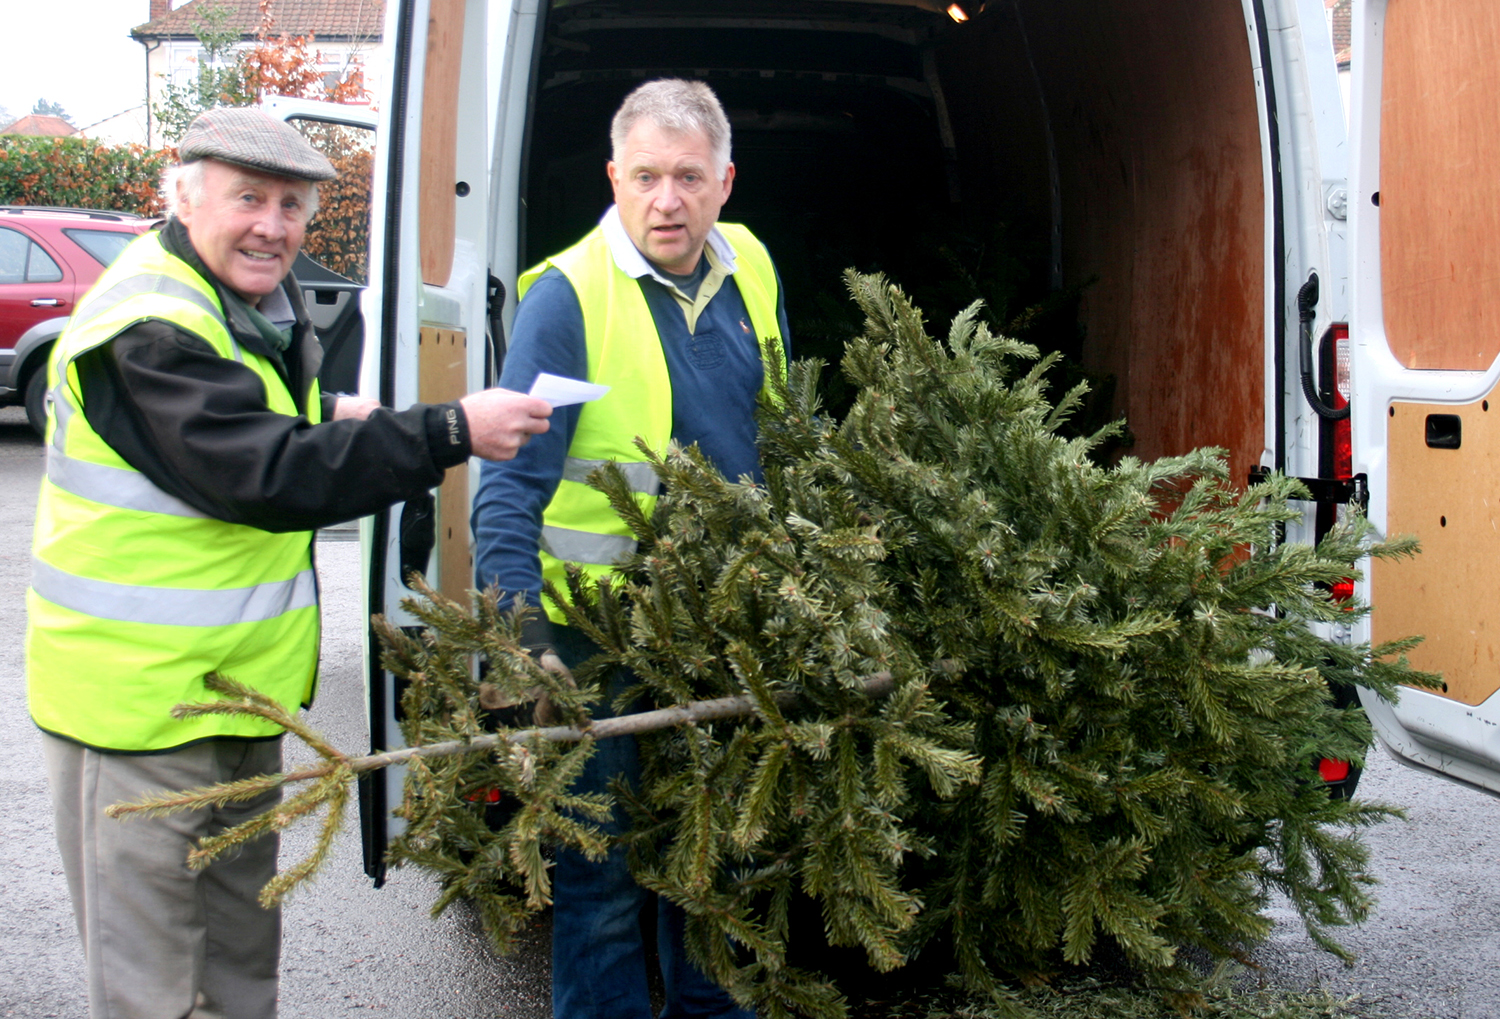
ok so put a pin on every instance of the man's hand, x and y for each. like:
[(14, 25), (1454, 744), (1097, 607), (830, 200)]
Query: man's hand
[(355, 407), (500, 421), (545, 714)]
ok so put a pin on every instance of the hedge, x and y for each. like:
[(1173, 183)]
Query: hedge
[(81, 173), (85, 174)]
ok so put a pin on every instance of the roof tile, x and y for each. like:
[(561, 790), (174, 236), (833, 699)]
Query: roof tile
[(323, 19), (41, 125), (1342, 24)]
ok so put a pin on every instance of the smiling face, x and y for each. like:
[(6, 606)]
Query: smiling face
[(667, 193), (247, 226)]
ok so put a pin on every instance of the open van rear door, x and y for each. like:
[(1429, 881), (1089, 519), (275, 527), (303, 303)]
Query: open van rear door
[(426, 312), (333, 266), (1425, 330)]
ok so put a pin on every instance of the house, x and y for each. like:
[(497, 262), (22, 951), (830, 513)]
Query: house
[(41, 125), (342, 32), (1340, 27)]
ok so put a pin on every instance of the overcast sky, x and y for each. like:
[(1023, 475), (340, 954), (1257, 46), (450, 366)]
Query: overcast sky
[(75, 52)]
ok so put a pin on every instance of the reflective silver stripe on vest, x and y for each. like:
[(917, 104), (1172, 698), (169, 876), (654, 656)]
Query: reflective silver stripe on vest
[(62, 412), (113, 486), (146, 283), (585, 547), (173, 606), (638, 475)]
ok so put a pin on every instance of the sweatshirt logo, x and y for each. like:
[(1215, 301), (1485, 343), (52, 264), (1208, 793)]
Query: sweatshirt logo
[(450, 416), (706, 351)]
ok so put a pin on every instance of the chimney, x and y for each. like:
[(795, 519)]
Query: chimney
[(160, 8)]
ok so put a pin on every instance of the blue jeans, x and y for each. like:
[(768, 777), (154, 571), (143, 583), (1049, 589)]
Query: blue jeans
[(598, 953)]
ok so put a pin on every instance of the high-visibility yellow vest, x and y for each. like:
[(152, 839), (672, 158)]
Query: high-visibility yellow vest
[(624, 352), (136, 596)]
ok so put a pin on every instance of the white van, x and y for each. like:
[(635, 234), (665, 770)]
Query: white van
[(1186, 159)]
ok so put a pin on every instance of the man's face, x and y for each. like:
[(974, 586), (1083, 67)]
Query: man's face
[(667, 194), (248, 227)]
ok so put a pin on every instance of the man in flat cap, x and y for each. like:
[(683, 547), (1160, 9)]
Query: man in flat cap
[(190, 456)]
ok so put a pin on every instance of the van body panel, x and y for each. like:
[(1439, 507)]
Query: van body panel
[(1312, 146), (1172, 162), (512, 63), (1158, 145), (1439, 189), (1443, 461), (439, 154), (1422, 329), (428, 294)]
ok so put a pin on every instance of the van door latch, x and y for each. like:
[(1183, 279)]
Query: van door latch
[(1354, 491)]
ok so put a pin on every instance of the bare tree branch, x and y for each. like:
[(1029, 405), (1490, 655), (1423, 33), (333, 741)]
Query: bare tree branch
[(877, 685)]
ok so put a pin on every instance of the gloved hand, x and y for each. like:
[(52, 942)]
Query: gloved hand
[(545, 714)]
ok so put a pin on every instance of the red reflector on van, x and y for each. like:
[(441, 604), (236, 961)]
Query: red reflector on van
[(484, 796), (1333, 771), (1343, 590)]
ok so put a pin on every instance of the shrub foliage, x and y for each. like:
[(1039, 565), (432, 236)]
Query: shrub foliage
[(81, 173), (1110, 691)]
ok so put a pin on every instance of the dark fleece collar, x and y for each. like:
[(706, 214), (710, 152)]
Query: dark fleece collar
[(175, 239), (299, 364)]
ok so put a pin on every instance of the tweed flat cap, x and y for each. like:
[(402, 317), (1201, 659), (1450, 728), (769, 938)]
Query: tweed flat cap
[(247, 137)]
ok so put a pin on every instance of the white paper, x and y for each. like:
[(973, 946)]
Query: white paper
[(563, 392)]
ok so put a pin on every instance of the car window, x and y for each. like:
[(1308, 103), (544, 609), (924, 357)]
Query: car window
[(40, 268), (339, 235), (104, 245), (13, 245)]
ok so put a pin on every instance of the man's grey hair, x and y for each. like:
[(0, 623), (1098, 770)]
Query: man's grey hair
[(191, 176), (678, 107)]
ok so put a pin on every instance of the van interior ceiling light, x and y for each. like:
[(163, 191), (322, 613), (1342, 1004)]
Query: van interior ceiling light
[(957, 13)]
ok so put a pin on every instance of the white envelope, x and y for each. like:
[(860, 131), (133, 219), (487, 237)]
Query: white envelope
[(564, 392)]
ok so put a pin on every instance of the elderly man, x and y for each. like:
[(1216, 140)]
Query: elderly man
[(189, 457), (668, 309)]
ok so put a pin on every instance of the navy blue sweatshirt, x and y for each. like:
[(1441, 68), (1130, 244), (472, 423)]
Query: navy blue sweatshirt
[(716, 377)]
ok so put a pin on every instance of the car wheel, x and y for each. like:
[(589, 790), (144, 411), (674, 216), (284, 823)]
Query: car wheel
[(36, 399)]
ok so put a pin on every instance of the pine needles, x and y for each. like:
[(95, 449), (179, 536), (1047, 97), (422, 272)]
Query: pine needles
[(1108, 698), (1108, 689)]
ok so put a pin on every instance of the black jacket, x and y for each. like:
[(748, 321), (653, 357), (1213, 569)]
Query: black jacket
[(199, 425)]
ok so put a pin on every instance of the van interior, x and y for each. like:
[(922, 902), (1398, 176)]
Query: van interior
[(1098, 164)]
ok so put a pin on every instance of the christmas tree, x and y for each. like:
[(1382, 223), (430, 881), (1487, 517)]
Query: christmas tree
[(953, 685), (1107, 691)]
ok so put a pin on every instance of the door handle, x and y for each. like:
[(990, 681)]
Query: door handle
[(45, 302), (418, 535)]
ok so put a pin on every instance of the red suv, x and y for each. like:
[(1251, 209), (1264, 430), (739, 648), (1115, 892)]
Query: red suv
[(48, 260)]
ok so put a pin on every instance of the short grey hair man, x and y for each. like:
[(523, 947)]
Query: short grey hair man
[(678, 107)]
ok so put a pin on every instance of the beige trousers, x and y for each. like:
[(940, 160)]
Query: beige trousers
[(162, 941)]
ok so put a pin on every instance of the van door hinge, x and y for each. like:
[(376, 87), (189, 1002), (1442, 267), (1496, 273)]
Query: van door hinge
[(1355, 490)]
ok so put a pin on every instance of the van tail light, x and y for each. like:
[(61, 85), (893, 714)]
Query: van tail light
[(1332, 770), (1336, 458), (1343, 446)]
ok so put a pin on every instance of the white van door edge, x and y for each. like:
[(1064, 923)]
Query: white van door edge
[(426, 307), (1424, 217), (1304, 150)]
